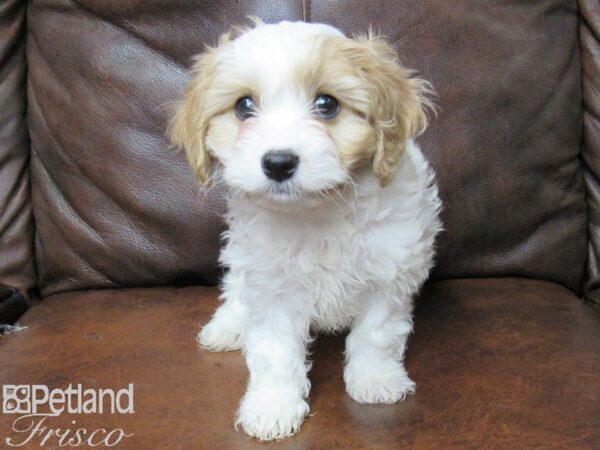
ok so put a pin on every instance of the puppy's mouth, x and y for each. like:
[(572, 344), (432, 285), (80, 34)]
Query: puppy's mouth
[(285, 192), (291, 198)]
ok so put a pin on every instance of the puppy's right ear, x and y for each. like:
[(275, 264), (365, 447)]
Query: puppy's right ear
[(189, 125)]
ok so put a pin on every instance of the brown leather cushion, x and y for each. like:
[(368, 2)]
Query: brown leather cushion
[(115, 207), (499, 363)]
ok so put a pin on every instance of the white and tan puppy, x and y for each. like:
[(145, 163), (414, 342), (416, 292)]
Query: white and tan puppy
[(333, 211)]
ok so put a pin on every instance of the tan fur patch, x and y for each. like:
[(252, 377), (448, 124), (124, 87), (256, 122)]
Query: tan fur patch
[(189, 126), (365, 75), (208, 95)]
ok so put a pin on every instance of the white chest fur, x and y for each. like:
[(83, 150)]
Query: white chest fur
[(331, 257)]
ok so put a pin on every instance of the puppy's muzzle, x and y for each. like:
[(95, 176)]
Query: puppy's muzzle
[(280, 165)]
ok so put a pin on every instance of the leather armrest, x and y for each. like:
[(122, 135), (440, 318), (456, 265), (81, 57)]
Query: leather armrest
[(589, 40)]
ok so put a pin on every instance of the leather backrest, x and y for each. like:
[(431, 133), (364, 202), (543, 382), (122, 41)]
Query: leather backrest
[(507, 140), (115, 207)]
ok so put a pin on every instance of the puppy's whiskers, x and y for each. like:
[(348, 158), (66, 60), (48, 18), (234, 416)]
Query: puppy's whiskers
[(327, 195), (211, 197)]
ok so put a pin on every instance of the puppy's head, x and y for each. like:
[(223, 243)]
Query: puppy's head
[(292, 110)]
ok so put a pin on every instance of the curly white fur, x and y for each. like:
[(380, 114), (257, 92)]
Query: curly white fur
[(347, 245)]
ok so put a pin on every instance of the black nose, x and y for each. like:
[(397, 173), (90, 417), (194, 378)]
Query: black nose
[(279, 165)]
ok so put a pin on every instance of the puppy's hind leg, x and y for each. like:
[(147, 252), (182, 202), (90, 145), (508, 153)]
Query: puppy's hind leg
[(226, 328), (374, 371)]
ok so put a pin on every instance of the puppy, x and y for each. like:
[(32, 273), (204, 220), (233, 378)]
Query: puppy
[(333, 210)]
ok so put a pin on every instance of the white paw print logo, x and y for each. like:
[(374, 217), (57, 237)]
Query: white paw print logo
[(16, 399)]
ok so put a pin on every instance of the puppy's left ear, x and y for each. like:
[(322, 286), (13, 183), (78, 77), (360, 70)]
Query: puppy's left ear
[(399, 104)]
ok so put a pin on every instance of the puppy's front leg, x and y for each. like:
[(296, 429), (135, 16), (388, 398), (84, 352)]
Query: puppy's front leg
[(274, 405), (375, 347), (226, 328)]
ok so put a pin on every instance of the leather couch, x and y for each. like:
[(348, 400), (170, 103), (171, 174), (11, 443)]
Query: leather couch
[(106, 237)]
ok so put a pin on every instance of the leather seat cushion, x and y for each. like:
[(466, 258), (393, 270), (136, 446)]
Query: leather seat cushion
[(498, 363)]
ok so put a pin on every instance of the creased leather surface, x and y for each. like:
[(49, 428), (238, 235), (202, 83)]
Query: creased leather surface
[(589, 38), (17, 264), (499, 364), (116, 208), (506, 141), (114, 205)]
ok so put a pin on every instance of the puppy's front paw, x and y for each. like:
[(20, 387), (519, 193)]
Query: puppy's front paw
[(220, 335), (382, 382), (271, 415)]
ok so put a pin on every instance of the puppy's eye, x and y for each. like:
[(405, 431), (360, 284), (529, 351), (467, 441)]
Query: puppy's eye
[(245, 108), (326, 107)]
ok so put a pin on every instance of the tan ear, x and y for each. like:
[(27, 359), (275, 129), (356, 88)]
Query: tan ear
[(399, 104), (189, 125)]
